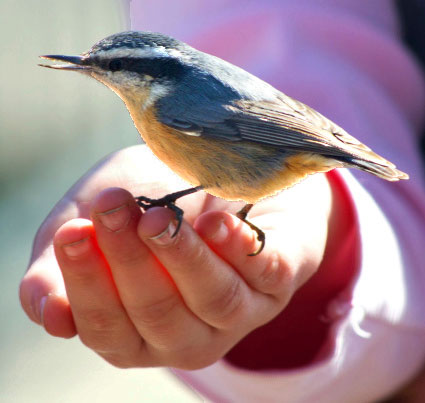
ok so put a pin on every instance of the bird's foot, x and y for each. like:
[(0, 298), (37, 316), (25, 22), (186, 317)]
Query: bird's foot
[(168, 201), (261, 236)]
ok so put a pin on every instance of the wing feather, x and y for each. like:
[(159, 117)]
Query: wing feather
[(294, 125), (282, 122)]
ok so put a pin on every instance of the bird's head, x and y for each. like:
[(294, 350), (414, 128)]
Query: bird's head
[(140, 67)]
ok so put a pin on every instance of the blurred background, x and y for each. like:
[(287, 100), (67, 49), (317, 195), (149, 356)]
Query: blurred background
[(53, 127)]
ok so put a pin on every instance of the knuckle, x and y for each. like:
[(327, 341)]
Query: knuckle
[(155, 313), (275, 276), (130, 259), (222, 309), (191, 254), (198, 254), (100, 320), (97, 330)]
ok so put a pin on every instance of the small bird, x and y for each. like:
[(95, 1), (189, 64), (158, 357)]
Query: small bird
[(219, 127)]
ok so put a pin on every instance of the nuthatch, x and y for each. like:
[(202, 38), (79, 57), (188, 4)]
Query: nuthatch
[(220, 128)]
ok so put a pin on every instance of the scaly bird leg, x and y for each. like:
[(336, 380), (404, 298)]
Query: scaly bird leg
[(261, 236), (168, 201)]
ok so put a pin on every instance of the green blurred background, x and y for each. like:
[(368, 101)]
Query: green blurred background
[(53, 127)]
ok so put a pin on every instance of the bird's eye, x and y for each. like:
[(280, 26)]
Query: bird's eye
[(115, 65)]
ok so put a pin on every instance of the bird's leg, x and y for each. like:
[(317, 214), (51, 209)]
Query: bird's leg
[(168, 201), (261, 236)]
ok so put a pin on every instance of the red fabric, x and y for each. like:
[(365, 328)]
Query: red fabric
[(300, 334)]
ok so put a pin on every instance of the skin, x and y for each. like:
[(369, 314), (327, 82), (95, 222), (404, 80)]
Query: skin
[(140, 298)]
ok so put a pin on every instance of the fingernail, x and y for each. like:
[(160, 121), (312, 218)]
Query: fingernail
[(218, 234), (115, 219), (165, 237), (77, 248), (43, 301)]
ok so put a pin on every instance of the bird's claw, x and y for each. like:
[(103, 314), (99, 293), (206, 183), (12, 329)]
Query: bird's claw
[(146, 203), (261, 236), (168, 201)]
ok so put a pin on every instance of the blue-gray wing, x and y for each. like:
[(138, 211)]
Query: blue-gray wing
[(200, 109), (282, 122)]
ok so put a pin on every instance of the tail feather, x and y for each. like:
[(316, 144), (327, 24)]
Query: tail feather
[(387, 171)]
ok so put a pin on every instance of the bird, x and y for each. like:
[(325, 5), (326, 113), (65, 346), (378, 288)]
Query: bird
[(218, 127)]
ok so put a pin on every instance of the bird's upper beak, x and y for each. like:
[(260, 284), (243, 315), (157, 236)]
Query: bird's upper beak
[(74, 63)]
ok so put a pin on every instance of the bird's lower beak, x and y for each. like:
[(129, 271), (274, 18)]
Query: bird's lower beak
[(75, 63)]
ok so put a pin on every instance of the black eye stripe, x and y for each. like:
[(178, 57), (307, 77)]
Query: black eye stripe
[(115, 65), (156, 67)]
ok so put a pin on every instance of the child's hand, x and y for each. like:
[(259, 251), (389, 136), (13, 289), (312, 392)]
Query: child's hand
[(140, 298)]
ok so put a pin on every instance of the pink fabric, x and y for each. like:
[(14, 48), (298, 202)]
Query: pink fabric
[(345, 59)]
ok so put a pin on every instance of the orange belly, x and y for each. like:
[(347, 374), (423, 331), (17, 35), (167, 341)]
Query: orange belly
[(230, 170)]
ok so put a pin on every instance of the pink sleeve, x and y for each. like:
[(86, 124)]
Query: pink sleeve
[(345, 59)]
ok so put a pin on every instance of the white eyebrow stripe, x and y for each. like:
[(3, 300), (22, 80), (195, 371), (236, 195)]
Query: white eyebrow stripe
[(146, 52)]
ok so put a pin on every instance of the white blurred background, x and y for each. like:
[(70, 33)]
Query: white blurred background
[(53, 127)]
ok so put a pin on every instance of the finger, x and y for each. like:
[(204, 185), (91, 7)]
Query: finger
[(43, 297), (149, 296), (267, 272), (101, 320), (56, 316), (209, 286)]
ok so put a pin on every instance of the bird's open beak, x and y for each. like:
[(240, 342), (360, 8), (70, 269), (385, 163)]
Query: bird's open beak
[(74, 63)]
